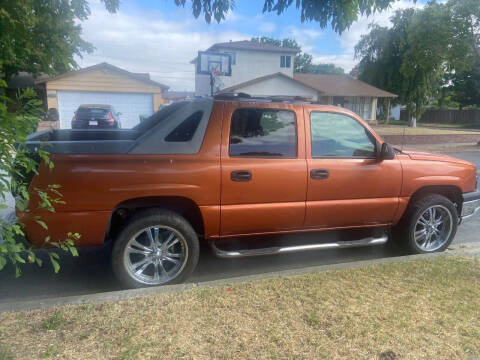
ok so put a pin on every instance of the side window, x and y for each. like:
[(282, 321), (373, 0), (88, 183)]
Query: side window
[(337, 135), (186, 129), (263, 133), (285, 61)]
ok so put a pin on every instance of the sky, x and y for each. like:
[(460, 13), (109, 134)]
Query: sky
[(157, 37)]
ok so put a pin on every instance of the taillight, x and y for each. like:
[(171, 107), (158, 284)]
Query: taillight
[(110, 117)]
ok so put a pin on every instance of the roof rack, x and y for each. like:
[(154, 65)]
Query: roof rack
[(274, 98), (232, 96)]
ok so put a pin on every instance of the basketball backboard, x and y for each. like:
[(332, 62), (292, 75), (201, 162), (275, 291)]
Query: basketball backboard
[(208, 62)]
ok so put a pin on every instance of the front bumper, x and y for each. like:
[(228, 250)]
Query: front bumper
[(471, 205)]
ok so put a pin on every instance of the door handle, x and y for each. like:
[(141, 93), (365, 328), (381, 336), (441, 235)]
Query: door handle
[(319, 174), (241, 175)]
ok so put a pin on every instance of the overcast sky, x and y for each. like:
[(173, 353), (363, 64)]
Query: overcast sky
[(161, 39)]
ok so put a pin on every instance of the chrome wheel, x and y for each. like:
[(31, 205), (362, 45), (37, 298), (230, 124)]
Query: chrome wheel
[(155, 255), (433, 228)]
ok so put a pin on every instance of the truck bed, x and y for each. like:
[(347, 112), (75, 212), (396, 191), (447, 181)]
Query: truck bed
[(148, 137)]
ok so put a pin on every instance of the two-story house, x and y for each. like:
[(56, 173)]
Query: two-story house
[(249, 60), (266, 70)]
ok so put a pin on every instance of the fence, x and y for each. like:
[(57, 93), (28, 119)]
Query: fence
[(447, 116)]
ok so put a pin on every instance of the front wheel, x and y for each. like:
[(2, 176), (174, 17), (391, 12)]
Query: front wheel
[(156, 248), (429, 225)]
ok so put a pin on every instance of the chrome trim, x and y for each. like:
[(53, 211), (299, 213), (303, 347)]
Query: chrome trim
[(470, 209), (370, 241)]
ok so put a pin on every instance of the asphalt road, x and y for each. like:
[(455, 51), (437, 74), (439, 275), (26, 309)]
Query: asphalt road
[(90, 272)]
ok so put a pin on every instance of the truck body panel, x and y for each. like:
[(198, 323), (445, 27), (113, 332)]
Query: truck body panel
[(100, 171)]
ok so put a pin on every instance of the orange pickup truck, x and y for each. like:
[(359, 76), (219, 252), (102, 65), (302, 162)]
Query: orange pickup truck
[(235, 166)]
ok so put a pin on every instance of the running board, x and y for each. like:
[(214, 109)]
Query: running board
[(370, 241)]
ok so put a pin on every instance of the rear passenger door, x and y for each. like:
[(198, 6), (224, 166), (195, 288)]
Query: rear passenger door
[(263, 169)]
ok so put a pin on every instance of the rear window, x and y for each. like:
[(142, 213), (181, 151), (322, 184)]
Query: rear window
[(92, 112)]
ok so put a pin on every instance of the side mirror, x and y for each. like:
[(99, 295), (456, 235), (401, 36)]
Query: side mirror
[(386, 152)]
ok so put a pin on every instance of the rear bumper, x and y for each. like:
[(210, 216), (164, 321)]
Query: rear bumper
[(471, 205)]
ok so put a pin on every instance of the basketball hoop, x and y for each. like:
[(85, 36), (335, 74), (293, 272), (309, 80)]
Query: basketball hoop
[(216, 73), (216, 66)]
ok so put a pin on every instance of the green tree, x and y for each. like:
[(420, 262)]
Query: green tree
[(464, 52), (322, 69), (465, 86), (465, 31), (339, 13), (409, 59), (36, 36), (41, 36)]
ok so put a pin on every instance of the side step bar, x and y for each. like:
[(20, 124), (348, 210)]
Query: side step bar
[(370, 241)]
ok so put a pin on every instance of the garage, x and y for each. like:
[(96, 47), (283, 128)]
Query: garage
[(133, 95), (131, 106)]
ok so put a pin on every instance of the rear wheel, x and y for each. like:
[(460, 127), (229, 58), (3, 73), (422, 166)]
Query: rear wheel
[(429, 225), (156, 248)]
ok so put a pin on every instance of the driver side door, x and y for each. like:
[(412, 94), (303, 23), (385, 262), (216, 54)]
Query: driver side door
[(347, 185)]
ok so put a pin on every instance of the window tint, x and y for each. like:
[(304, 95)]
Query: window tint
[(87, 113), (337, 135), (186, 130), (263, 133)]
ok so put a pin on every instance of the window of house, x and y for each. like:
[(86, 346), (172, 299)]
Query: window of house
[(186, 129), (337, 135), (285, 61), (263, 133), (233, 57)]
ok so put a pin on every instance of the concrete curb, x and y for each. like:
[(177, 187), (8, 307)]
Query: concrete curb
[(472, 249)]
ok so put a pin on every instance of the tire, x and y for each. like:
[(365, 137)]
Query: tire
[(134, 250), (415, 232)]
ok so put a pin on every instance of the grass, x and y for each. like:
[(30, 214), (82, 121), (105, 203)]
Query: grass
[(427, 309), (399, 130)]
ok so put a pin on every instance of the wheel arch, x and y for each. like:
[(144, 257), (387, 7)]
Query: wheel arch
[(182, 205), (451, 192)]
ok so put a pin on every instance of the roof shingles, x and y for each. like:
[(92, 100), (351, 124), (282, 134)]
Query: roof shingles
[(340, 85), (326, 85)]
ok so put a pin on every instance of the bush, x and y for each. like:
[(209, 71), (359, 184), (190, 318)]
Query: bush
[(16, 163)]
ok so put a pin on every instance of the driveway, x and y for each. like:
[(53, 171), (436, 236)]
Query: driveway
[(90, 272)]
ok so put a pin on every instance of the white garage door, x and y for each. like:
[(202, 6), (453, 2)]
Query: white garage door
[(131, 105)]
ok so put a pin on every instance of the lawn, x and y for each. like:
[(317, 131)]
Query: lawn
[(427, 309), (399, 130)]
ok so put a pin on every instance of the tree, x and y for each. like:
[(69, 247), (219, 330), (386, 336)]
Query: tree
[(36, 36), (409, 59), (303, 61), (464, 80), (40, 36), (465, 87), (339, 13), (322, 69), (465, 27)]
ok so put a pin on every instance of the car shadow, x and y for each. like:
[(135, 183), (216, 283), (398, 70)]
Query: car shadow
[(90, 272)]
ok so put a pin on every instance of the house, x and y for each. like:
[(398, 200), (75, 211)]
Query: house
[(261, 70), (131, 94), (172, 96), (249, 60)]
